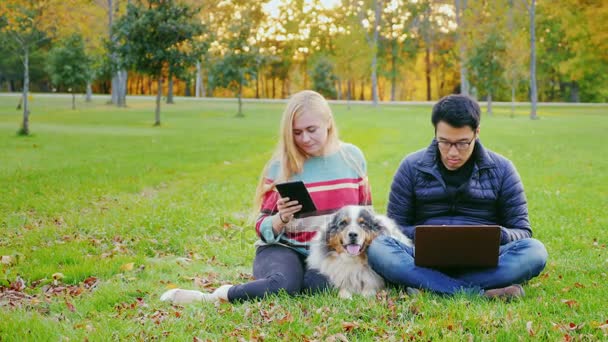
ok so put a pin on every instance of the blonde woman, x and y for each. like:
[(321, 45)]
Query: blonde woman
[(334, 173)]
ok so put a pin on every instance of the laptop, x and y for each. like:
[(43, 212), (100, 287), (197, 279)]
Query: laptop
[(457, 246)]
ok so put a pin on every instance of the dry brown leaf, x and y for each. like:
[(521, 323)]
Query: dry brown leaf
[(286, 319), (349, 326), (529, 328), (70, 306), (570, 302), (91, 282), (6, 259), (337, 337), (127, 267)]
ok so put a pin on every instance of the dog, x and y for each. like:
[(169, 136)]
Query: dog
[(339, 250)]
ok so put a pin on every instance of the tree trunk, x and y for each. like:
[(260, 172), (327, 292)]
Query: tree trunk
[(464, 83), (240, 95), (114, 89), (427, 60), (89, 96), (574, 93), (305, 67), (533, 90), (349, 93), (170, 88), (199, 80), (25, 127), (273, 87), (378, 17), (339, 86), (257, 85), (119, 88), (362, 93), (489, 111), (394, 56), (513, 98), (159, 93), (73, 101)]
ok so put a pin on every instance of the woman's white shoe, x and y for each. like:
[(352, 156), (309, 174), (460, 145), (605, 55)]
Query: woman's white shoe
[(180, 296)]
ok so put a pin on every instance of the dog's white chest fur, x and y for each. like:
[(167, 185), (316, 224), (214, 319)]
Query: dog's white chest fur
[(350, 275)]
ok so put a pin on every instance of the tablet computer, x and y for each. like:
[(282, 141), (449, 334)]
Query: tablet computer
[(296, 190)]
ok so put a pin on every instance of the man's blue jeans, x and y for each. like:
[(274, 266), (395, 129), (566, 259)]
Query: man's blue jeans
[(518, 262)]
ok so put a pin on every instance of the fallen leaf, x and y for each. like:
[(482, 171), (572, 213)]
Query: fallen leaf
[(337, 337), (579, 285), (70, 306), (127, 267), (349, 326), (286, 319), (529, 328), (570, 302), (18, 284), (91, 282), (7, 259)]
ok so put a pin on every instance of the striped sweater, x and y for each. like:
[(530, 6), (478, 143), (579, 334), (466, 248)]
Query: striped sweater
[(333, 183)]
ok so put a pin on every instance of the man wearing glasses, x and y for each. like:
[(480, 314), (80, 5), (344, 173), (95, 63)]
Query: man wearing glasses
[(456, 181)]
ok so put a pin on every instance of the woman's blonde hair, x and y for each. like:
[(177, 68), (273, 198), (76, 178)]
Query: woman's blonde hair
[(290, 158)]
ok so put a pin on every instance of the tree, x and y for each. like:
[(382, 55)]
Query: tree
[(350, 51), (485, 30), (21, 23), (153, 34), (533, 86), (398, 43), (369, 13), (69, 66), (323, 78), (486, 67), (237, 55), (460, 7), (516, 46)]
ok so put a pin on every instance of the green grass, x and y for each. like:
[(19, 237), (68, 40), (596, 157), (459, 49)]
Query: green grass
[(98, 188)]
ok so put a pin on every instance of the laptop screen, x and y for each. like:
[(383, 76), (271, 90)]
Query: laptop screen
[(445, 246)]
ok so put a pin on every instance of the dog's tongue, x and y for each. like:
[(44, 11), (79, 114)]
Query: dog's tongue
[(353, 249)]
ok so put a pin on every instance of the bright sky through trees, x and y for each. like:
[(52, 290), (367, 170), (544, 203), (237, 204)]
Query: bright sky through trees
[(272, 7)]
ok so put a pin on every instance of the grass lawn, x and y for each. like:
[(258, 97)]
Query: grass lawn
[(100, 213)]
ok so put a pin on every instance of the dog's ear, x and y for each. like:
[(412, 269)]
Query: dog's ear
[(368, 217), (335, 224)]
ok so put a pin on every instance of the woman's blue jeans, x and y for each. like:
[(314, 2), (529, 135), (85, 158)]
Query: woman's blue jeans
[(518, 261)]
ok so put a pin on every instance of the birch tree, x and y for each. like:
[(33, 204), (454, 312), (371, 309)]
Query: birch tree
[(21, 23)]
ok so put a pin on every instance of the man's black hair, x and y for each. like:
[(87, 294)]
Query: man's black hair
[(457, 111)]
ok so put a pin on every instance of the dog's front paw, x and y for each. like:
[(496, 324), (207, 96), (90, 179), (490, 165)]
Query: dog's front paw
[(368, 293), (345, 294)]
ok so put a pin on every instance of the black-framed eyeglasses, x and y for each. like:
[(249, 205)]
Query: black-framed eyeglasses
[(460, 145)]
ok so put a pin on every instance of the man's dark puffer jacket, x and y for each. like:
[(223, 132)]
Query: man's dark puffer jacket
[(494, 195)]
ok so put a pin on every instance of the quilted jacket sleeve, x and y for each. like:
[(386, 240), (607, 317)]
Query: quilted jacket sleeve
[(401, 207), (512, 206)]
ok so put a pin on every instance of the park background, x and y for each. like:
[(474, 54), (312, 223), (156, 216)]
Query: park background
[(103, 207)]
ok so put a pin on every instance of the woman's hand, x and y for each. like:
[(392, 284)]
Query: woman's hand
[(287, 209)]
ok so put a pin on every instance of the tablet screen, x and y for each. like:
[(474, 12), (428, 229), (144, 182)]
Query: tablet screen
[(297, 191)]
